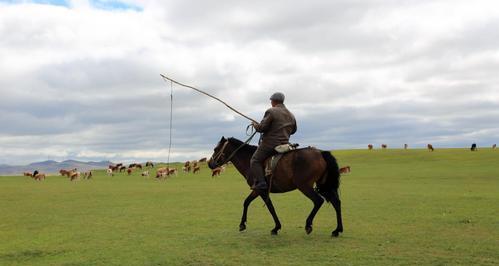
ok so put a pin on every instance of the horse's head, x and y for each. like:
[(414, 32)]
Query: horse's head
[(220, 153)]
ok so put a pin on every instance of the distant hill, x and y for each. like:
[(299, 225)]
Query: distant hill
[(51, 166)]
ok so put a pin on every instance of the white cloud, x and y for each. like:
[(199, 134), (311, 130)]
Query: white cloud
[(82, 82)]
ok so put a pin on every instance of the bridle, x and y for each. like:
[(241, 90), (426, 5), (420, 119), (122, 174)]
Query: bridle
[(221, 152)]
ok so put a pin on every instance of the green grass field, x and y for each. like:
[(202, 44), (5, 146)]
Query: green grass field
[(401, 207)]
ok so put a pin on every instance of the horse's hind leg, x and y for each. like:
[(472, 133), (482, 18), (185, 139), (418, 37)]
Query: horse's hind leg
[(253, 195), (335, 200), (317, 200), (270, 207)]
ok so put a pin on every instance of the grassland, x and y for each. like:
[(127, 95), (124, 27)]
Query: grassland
[(401, 207)]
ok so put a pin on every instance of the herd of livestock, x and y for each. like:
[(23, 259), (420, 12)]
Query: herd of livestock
[(164, 172), (161, 173), (474, 147)]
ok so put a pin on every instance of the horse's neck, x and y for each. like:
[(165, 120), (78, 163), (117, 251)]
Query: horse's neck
[(241, 161)]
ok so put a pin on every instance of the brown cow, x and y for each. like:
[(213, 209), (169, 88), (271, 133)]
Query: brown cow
[(74, 176), (216, 172), (344, 170), (196, 169), (39, 177), (67, 173), (87, 175), (162, 172), (430, 147), (186, 169), (172, 171)]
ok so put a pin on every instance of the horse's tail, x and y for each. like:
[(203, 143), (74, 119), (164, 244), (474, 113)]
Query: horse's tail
[(330, 183)]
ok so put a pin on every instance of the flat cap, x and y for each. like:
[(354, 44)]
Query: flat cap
[(278, 97)]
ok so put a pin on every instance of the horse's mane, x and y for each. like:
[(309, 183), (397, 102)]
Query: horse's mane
[(250, 148)]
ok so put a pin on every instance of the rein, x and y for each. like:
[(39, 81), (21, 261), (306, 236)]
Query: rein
[(221, 152)]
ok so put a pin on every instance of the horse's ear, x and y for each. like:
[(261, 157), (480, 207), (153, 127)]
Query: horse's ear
[(222, 139)]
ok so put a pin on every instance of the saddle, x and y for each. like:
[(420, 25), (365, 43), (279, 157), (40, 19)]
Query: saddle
[(271, 163)]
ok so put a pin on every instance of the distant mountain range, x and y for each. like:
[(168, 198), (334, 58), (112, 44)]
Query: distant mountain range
[(51, 166)]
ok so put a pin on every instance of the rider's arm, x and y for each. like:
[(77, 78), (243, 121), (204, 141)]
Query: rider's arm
[(264, 125)]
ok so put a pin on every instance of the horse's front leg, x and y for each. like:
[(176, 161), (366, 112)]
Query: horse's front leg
[(253, 195), (270, 206)]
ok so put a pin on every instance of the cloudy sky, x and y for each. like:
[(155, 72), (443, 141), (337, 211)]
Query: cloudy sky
[(80, 79)]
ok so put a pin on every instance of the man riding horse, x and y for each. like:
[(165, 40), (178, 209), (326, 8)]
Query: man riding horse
[(277, 125)]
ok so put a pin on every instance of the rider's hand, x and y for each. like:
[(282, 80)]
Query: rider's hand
[(254, 124)]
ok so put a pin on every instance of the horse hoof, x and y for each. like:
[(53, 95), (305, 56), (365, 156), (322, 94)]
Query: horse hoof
[(335, 233), (274, 232), (308, 229), (242, 227)]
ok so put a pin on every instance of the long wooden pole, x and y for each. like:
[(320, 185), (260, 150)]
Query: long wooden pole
[(209, 95)]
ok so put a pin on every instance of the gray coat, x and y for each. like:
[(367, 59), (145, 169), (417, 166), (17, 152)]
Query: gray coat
[(277, 125)]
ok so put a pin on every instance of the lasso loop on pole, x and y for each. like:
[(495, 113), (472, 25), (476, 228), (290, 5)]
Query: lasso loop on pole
[(171, 126), (250, 130)]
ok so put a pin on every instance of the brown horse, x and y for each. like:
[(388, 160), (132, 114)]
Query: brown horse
[(299, 169)]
